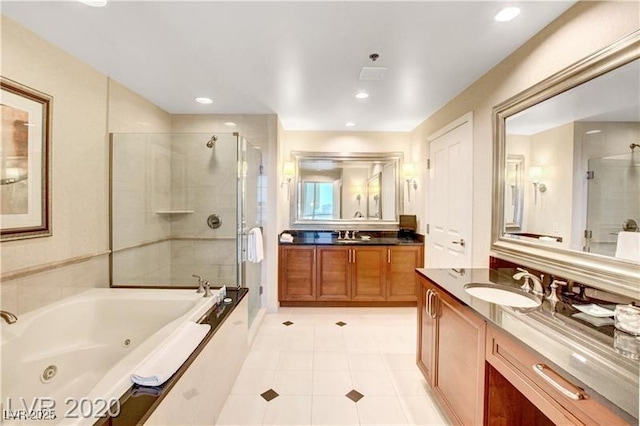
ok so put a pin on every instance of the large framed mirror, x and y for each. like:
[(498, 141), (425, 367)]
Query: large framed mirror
[(359, 190), (570, 148)]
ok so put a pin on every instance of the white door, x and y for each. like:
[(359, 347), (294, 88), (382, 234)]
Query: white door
[(448, 244)]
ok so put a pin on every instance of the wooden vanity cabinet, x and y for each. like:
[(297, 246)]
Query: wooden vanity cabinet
[(451, 340), (401, 278), (297, 273), (369, 273), (334, 273), (340, 275), (552, 398)]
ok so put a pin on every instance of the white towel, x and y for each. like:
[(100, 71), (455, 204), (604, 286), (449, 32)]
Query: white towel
[(286, 238), (255, 249), (628, 246), (157, 368)]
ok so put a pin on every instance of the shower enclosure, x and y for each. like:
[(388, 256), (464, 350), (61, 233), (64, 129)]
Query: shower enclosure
[(613, 200), (183, 205)]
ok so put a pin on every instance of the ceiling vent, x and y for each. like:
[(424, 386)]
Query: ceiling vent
[(372, 73)]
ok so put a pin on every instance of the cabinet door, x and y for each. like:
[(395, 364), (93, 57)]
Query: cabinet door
[(297, 273), (368, 273), (401, 276), (426, 330), (459, 366), (333, 280)]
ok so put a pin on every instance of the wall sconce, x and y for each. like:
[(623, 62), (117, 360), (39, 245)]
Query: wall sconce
[(535, 175), (288, 172), (409, 173)]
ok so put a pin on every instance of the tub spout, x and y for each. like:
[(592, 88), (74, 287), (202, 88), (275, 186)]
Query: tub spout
[(8, 317)]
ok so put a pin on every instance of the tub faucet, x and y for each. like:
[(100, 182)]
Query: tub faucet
[(207, 289), (8, 317), (537, 282), (200, 283)]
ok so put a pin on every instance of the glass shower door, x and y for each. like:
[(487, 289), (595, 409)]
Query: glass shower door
[(250, 204), (613, 197)]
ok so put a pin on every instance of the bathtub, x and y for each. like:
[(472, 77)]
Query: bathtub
[(94, 341)]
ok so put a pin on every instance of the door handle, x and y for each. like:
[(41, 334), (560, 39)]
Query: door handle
[(388, 255), (428, 304), (461, 242)]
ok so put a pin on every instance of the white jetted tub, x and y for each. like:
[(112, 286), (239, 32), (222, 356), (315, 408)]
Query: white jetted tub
[(80, 352)]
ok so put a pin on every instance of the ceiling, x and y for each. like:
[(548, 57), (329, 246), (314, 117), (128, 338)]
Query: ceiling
[(300, 60)]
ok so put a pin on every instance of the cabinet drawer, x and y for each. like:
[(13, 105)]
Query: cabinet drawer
[(554, 395)]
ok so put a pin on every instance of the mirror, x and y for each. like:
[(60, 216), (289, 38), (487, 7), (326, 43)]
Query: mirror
[(567, 171), (354, 189), (514, 193)]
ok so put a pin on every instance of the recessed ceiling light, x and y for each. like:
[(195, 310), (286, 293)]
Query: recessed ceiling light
[(230, 124), (507, 14), (349, 124), (593, 132), (204, 101), (94, 3), (362, 95)]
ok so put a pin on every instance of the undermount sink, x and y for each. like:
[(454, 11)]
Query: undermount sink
[(502, 295), (349, 241)]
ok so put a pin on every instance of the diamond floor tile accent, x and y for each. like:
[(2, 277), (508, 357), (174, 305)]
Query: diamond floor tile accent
[(287, 323), (354, 395), (269, 395), (341, 324)]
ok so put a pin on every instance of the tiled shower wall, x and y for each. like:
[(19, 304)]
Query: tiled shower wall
[(165, 188)]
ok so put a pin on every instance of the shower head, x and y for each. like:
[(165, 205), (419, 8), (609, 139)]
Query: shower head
[(212, 141)]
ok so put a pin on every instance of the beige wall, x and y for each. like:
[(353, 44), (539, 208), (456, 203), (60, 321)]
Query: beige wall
[(582, 30), (87, 105)]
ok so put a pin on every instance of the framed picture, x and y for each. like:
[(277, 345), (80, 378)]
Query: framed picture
[(25, 162)]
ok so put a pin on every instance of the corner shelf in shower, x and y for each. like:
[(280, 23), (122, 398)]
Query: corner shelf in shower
[(175, 211)]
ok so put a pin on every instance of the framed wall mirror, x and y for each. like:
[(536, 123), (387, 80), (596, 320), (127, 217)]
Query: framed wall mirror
[(359, 190), (567, 172)]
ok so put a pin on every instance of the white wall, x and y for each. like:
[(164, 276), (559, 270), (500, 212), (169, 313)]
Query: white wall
[(582, 30), (553, 151)]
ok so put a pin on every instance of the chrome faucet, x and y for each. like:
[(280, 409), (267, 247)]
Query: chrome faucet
[(553, 293), (207, 289), (200, 283), (8, 317), (538, 290)]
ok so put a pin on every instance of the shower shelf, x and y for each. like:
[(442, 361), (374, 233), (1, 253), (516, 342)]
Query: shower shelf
[(175, 211)]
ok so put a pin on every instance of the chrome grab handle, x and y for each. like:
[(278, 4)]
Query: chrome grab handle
[(349, 255), (461, 242), (388, 255), (432, 298), (428, 304), (575, 394)]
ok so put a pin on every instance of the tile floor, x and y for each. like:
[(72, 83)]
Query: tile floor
[(332, 366)]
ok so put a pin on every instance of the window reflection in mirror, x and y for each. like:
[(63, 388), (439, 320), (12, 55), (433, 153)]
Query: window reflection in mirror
[(580, 167), (319, 200)]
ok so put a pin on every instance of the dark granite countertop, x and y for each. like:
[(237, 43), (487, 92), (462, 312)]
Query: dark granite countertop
[(590, 356), (377, 238)]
